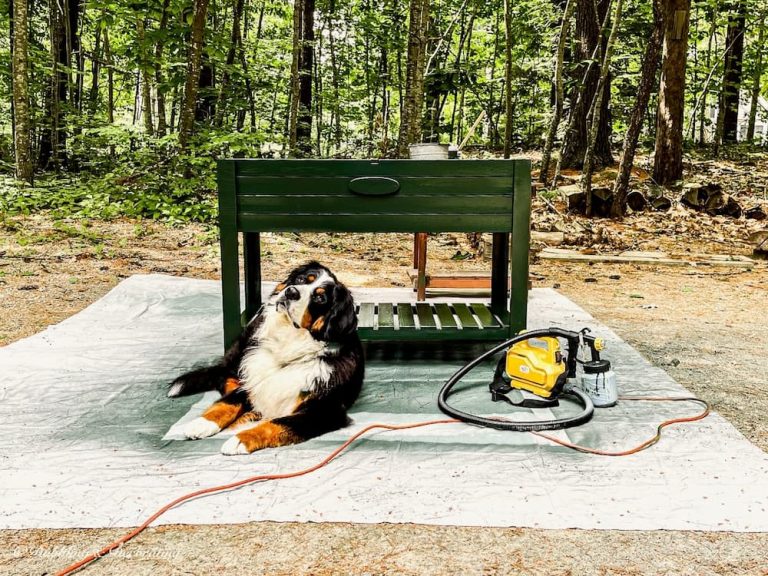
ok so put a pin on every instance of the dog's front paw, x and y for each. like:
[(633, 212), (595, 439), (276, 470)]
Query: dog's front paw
[(200, 428), (234, 447)]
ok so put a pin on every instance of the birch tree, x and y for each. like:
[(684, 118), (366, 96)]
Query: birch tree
[(757, 74)]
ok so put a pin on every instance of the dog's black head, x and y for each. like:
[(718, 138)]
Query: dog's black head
[(314, 299)]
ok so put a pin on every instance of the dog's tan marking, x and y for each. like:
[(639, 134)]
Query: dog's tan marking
[(230, 385), (306, 320), (279, 288), (318, 324), (246, 417), (311, 278), (222, 414), (320, 290), (266, 435)]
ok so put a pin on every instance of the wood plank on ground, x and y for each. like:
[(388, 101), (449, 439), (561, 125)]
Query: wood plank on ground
[(736, 261)]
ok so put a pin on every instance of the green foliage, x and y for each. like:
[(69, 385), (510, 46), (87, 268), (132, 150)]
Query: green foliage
[(139, 177)]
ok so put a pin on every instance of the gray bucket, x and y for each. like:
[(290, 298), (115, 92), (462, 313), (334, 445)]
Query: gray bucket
[(428, 151)]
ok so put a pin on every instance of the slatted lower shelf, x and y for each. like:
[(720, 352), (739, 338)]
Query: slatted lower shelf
[(428, 321)]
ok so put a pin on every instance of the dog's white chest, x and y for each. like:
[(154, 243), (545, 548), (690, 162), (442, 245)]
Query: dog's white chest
[(286, 364)]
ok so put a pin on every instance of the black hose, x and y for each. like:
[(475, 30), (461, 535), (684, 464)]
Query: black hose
[(504, 424)]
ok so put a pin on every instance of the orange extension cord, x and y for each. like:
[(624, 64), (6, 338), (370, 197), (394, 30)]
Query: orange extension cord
[(262, 477)]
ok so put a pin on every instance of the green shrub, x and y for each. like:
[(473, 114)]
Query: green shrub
[(120, 176)]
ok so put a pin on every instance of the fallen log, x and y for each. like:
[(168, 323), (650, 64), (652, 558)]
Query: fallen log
[(756, 213), (711, 199), (661, 203), (636, 200)]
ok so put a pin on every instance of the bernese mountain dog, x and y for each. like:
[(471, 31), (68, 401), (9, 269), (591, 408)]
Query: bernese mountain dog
[(292, 375)]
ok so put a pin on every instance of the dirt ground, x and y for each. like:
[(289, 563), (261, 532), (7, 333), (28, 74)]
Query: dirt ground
[(704, 325)]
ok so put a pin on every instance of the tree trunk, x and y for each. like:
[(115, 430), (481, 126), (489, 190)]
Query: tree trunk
[(757, 73), (410, 119), (705, 90), (493, 133), (464, 34), (306, 66), (162, 126), (507, 79), (137, 98), (728, 106), (21, 113), (235, 40), (668, 156), (593, 117), (194, 58), (317, 80), (110, 77), (146, 94), (206, 99), (370, 93), (53, 136), (74, 9), (558, 90), (734, 63), (247, 82), (175, 104), (75, 63), (463, 91), (335, 73), (293, 108), (589, 25), (93, 97), (384, 75), (10, 44), (647, 81)]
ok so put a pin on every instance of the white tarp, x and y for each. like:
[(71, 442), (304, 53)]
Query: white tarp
[(86, 437)]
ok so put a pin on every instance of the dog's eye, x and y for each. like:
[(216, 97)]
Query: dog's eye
[(300, 280), (319, 298)]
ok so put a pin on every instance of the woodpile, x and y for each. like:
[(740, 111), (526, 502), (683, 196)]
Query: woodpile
[(602, 198), (702, 197), (711, 199)]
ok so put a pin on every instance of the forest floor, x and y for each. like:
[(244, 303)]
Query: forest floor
[(704, 325)]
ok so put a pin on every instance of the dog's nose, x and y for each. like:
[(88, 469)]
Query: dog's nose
[(292, 293)]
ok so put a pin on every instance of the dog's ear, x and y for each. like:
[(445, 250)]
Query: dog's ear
[(340, 320)]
